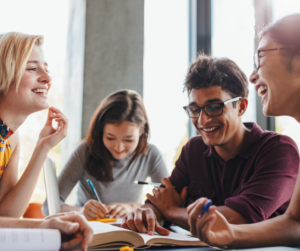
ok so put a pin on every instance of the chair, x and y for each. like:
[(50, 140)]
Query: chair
[(51, 184), (34, 210)]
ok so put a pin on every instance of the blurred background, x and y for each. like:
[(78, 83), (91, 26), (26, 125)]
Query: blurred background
[(95, 47)]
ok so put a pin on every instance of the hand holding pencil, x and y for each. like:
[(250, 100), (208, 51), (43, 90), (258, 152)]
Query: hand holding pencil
[(93, 210)]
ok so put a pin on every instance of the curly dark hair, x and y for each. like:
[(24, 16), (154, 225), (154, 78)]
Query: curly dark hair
[(207, 71)]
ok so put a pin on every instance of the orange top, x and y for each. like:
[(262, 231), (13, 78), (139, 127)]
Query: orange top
[(5, 148)]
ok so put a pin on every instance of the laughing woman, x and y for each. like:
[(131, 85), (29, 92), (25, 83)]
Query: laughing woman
[(24, 87), (277, 80)]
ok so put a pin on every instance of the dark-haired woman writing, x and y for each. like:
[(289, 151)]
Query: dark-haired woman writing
[(112, 156), (277, 80)]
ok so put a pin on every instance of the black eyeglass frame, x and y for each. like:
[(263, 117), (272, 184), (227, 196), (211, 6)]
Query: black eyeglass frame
[(256, 56), (203, 107)]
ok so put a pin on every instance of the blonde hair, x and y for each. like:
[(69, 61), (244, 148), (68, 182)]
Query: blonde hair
[(15, 49)]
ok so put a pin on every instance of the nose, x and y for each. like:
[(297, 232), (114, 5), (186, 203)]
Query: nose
[(203, 118), (119, 146), (254, 77), (45, 78)]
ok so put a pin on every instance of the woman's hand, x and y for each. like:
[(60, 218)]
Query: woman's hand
[(212, 227), (93, 210), (50, 136), (116, 210)]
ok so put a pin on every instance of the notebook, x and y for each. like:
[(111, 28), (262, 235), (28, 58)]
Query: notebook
[(25, 239), (107, 235)]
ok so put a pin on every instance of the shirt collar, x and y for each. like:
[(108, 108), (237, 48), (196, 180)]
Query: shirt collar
[(252, 141), (248, 149), (5, 131)]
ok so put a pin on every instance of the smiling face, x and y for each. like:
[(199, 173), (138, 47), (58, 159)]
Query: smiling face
[(216, 131), (275, 83), (121, 139), (32, 95)]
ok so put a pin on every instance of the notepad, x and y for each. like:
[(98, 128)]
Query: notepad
[(106, 235), (105, 220), (25, 239)]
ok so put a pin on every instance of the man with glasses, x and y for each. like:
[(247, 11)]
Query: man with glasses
[(248, 173)]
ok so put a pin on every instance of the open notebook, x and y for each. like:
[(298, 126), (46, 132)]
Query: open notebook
[(25, 239), (106, 235)]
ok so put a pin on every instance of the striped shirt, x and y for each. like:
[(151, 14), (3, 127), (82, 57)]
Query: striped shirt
[(5, 148)]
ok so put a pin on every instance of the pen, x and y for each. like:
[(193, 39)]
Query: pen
[(94, 191), (207, 205), (148, 183)]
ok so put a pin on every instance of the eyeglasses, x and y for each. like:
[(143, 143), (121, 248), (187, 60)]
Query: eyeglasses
[(256, 57), (211, 110)]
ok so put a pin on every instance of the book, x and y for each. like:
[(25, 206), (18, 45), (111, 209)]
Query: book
[(25, 239), (108, 235)]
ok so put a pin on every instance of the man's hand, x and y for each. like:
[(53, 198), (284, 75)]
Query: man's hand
[(167, 199), (143, 220), (74, 229), (212, 227), (116, 210)]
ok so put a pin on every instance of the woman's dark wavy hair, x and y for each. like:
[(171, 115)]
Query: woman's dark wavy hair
[(120, 106), (285, 31), (207, 71)]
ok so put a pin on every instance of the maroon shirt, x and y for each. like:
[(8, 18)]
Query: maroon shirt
[(257, 183)]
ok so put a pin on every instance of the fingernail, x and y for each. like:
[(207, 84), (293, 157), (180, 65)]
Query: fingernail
[(151, 232)]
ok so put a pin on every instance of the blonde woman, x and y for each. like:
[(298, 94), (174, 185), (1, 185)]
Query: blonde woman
[(24, 87)]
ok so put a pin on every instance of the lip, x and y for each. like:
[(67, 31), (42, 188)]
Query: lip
[(264, 98), (210, 132), (45, 87), (118, 152), (259, 85)]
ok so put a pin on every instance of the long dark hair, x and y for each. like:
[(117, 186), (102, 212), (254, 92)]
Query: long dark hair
[(120, 106), (285, 31)]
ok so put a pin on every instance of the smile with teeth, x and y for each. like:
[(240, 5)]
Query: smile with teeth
[(262, 90), (209, 129), (45, 91)]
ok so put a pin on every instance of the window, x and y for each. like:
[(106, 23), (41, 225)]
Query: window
[(233, 37), (165, 67)]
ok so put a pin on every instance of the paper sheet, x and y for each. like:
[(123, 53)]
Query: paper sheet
[(13, 239)]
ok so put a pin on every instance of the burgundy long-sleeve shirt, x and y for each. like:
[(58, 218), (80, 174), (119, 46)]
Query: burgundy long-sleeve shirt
[(257, 183)]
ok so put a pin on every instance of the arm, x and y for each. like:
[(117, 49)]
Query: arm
[(179, 216), (232, 216), (214, 229), (72, 225), (72, 172), (269, 189), (15, 195)]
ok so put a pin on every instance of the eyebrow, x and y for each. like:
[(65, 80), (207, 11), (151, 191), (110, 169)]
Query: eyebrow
[(207, 101), (35, 62), (129, 136), (110, 134)]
